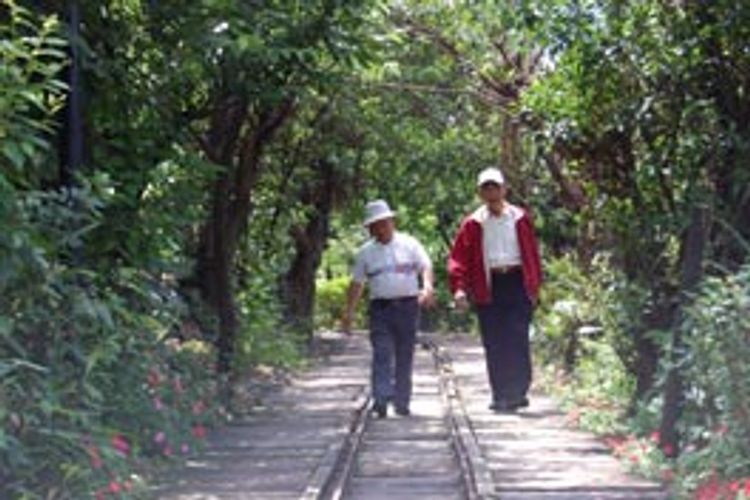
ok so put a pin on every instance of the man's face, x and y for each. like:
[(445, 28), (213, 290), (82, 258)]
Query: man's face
[(382, 230), (491, 192)]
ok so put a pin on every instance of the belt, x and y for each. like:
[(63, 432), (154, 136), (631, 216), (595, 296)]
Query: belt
[(505, 269), (393, 300)]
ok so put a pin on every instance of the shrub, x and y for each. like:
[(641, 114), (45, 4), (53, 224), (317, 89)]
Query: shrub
[(330, 302), (716, 415), (89, 371)]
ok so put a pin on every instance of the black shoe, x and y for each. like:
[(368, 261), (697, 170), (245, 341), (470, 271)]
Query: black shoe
[(502, 405), (380, 409), (520, 403), (403, 411)]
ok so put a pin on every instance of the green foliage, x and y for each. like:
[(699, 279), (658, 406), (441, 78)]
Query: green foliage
[(717, 411), (330, 301), (32, 56), (576, 339), (598, 390), (92, 378), (263, 339), (88, 377), (642, 106)]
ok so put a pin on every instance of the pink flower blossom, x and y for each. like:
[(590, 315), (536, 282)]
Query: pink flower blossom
[(100, 494), (158, 405), (655, 436), (120, 443), (185, 448), (114, 487), (159, 437), (167, 451)]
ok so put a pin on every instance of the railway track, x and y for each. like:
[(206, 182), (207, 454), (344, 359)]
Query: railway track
[(316, 439), (430, 454)]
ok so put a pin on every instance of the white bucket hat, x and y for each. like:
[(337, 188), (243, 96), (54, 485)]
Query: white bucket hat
[(490, 174), (377, 210)]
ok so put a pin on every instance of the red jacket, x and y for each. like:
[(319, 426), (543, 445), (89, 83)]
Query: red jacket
[(466, 268)]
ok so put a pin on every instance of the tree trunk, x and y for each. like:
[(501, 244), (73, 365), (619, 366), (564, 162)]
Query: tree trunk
[(240, 155), (310, 241), (510, 156), (299, 282), (693, 248)]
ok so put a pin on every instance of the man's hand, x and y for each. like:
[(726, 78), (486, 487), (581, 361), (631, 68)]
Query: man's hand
[(426, 297), (352, 297), (461, 301), (346, 323)]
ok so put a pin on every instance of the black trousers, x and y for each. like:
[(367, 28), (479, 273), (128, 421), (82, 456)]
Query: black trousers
[(393, 331), (504, 325)]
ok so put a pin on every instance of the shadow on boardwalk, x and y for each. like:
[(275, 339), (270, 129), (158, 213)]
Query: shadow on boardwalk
[(286, 447)]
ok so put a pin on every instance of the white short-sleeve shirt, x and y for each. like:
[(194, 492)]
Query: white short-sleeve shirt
[(391, 270)]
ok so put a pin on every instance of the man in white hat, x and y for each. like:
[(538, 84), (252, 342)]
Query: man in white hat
[(393, 264), (494, 263)]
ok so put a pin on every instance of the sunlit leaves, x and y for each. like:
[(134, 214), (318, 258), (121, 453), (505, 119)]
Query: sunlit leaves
[(31, 59)]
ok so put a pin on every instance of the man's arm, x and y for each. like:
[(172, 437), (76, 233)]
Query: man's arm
[(457, 267), (427, 294), (353, 294)]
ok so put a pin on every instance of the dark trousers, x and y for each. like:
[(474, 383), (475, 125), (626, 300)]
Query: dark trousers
[(393, 330), (504, 325)]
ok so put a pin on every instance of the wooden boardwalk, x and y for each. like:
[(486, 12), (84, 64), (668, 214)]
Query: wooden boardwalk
[(314, 439), (532, 454)]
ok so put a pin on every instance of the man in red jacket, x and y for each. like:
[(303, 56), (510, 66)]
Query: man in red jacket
[(494, 263)]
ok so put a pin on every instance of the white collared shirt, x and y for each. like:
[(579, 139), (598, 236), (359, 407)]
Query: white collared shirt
[(500, 239), (392, 270)]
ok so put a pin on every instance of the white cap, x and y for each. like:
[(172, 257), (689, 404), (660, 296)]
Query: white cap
[(377, 210), (490, 174)]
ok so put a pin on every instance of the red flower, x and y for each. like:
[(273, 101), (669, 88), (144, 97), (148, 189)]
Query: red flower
[(199, 431), (668, 450), (114, 487), (121, 444), (710, 490)]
